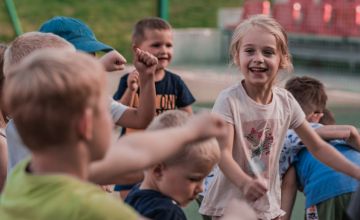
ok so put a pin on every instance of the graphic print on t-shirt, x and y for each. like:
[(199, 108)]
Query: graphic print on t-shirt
[(260, 143), (164, 102)]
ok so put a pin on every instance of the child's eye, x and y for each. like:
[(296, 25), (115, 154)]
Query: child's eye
[(156, 45), (195, 179), (249, 50), (268, 52), (169, 45)]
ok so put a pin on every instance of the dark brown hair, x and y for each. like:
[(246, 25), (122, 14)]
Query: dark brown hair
[(151, 23), (309, 92)]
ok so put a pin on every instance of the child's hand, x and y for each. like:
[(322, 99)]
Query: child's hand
[(208, 125), (253, 189), (133, 81), (145, 63), (354, 138), (113, 61)]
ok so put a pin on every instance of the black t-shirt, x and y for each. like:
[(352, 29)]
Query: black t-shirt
[(171, 92), (154, 205)]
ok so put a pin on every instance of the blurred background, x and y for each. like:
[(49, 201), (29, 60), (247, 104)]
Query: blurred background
[(324, 37)]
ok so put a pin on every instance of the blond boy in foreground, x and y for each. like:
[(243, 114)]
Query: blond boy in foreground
[(52, 184)]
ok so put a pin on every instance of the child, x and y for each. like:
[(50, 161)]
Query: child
[(153, 35), (52, 183), (175, 182), (327, 192), (82, 37), (25, 44), (258, 115), (19, 48)]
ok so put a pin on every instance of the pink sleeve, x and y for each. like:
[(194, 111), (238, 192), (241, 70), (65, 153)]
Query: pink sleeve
[(298, 115)]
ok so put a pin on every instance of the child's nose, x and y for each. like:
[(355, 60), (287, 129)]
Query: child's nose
[(258, 57), (199, 187)]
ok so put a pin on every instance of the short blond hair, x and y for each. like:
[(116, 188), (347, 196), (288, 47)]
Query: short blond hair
[(48, 91), (200, 152), (273, 27), (27, 43)]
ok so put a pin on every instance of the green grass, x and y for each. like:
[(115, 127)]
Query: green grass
[(112, 20)]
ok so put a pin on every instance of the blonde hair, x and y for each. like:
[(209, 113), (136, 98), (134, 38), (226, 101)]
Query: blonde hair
[(26, 43), (273, 27), (200, 152), (48, 91)]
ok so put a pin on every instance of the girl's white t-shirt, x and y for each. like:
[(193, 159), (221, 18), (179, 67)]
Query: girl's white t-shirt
[(259, 134)]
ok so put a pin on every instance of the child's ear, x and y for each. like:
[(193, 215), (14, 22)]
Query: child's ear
[(158, 170), (85, 125), (315, 117)]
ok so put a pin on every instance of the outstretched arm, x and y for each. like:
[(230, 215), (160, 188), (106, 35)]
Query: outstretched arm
[(345, 132), (113, 61), (187, 109), (325, 153), (140, 150), (140, 117), (288, 192)]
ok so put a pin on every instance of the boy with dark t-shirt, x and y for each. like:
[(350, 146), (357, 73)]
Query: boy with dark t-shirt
[(175, 182)]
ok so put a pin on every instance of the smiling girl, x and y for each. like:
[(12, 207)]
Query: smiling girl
[(258, 114)]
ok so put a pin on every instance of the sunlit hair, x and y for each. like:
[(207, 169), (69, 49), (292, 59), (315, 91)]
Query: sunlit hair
[(200, 152), (268, 24), (151, 23), (309, 92), (26, 43), (49, 91)]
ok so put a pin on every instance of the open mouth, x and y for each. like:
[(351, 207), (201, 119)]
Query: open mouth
[(258, 69)]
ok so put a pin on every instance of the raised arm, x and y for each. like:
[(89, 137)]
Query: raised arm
[(252, 188), (140, 150), (346, 132), (128, 98), (325, 153), (140, 117)]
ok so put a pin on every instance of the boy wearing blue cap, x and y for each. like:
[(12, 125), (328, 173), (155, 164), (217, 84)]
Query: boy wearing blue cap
[(25, 44), (83, 38)]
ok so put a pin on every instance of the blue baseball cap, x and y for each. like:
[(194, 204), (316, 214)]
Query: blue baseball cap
[(76, 32)]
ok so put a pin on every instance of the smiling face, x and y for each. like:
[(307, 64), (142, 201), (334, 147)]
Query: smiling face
[(259, 57), (183, 182), (160, 44)]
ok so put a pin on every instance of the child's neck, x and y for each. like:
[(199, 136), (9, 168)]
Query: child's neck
[(261, 95), (159, 75), (61, 160), (149, 183)]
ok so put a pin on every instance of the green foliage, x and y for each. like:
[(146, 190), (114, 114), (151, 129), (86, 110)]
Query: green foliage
[(112, 20)]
